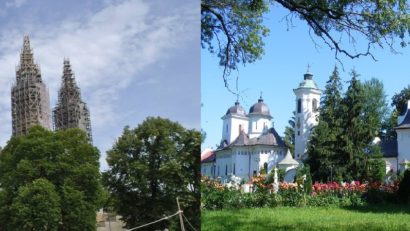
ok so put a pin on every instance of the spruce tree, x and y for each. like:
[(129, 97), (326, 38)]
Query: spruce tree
[(323, 145), (357, 133)]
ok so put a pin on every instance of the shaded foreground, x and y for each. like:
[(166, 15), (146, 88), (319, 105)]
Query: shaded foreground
[(380, 217)]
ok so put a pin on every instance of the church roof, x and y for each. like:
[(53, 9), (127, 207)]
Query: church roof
[(260, 108), (389, 148), (241, 140), (288, 160), (271, 137), (207, 156), (237, 109), (308, 82), (405, 124)]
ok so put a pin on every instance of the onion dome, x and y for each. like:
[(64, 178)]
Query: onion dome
[(237, 109), (260, 108)]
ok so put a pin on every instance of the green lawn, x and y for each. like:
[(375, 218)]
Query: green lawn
[(381, 217)]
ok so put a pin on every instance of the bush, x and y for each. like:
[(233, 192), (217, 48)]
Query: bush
[(404, 187)]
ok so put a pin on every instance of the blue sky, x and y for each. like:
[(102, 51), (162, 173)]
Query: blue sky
[(288, 51), (131, 58)]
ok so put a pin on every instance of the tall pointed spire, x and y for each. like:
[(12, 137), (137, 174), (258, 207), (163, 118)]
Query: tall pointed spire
[(71, 111), (29, 95)]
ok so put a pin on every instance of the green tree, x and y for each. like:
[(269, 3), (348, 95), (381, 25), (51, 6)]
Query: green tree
[(152, 165), (289, 138), (234, 29), (357, 134), (375, 105), (324, 145), (65, 159), (399, 100), (388, 125), (36, 207)]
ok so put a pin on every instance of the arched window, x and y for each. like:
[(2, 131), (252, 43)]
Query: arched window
[(234, 170), (226, 170), (265, 166), (299, 105), (227, 129), (314, 105)]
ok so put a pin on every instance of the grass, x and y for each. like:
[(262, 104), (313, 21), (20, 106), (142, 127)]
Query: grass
[(368, 218)]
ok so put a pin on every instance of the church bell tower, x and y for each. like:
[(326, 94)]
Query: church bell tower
[(307, 112)]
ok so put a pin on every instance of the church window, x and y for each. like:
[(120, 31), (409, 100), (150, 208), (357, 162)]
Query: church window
[(234, 170), (299, 105), (314, 105), (254, 173), (265, 167), (226, 170), (298, 133), (218, 170), (240, 128), (256, 125), (227, 129)]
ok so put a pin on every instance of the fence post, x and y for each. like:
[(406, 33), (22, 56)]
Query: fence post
[(180, 216)]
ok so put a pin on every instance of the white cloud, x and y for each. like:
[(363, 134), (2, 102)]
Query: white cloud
[(107, 51), (15, 3)]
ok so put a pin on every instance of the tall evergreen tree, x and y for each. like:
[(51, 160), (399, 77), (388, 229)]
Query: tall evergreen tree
[(323, 146), (357, 134)]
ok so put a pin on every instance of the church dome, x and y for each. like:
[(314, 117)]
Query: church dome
[(308, 81), (260, 108), (237, 109)]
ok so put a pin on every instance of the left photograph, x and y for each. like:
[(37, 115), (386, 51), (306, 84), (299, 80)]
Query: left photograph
[(100, 113)]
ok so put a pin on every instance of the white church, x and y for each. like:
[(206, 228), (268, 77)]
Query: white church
[(250, 145)]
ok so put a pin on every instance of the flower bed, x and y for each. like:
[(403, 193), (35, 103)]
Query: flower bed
[(217, 196)]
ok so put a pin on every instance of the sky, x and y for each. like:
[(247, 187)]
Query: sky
[(131, 58), (288, 52)]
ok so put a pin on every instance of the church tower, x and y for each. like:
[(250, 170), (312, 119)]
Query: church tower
[(307, 105), (234, 121), (30, 103), (259, 119), (71, 111)]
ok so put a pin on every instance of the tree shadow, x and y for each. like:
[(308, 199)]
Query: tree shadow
[(389, 208)]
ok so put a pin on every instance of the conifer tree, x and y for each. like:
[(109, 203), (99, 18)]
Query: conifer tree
[(290, 134), (356, 134), (323, 146)]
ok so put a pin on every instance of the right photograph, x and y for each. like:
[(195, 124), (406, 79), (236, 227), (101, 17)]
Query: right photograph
[(305, 115)]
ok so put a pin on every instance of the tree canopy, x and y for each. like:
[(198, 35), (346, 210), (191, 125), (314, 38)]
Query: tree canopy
[(341, 143), (399, 100), (234, 29), (149, 167), (49, 181)]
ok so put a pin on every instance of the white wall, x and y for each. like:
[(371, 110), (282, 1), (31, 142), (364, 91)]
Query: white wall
[(391, 163), (257, 124), (306, 118), (233, 122), (206, 169), (403, 142)]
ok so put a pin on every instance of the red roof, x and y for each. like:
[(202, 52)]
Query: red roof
[(207, 155)]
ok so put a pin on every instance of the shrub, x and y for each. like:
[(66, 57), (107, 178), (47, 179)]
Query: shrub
[(404, 187)]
